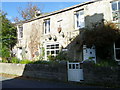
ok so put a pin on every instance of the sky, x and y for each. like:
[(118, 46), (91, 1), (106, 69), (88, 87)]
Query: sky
[(11, 7)]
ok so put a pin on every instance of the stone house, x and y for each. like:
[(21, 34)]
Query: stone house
[(61, 31)]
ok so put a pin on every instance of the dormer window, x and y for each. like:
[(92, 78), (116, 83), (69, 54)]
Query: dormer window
[(79, 19), (47, 26)]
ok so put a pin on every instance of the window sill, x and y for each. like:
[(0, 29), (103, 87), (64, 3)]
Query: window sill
[(76, 29), (20, 38), (47, 34)]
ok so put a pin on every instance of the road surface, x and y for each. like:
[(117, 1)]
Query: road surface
[(28, 83)]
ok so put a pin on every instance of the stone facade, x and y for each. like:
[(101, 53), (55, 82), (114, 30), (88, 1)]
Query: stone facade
[(51, 71), (60, 30)]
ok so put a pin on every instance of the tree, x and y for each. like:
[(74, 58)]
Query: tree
[(28, 12), (8, 35), (103, 38)]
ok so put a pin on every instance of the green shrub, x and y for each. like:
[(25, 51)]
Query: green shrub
[(14, 60), (4, 52), (89, 61), (51, 58), (41, 62), (4, 61), (107, 63), (25, 61), (62, 56)]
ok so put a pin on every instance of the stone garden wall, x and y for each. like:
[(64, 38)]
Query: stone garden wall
[(56, 71), (98, 74)]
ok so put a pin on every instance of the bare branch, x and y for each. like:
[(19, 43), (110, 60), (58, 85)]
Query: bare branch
[(28, 12)]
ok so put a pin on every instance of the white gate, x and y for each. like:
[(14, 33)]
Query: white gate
[(75, 71)]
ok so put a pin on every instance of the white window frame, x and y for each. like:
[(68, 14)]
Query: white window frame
[(47, 26), (20, 32), (115, 53), (116, 21), (116, 12), (50, 49), (59, 24), (80, 19)]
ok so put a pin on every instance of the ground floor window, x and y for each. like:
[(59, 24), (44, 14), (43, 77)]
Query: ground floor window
[(117, 49), (52, 49)]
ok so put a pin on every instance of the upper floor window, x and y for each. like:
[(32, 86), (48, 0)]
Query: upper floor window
[(79, 19), (115, 10), (59, 25), (47, 26), (20, 32)]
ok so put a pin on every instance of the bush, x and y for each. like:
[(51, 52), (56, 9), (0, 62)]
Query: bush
[(4, 53), (15, 60), (89, 61), (62, 56), (107, 63), (41, 62), (51, 58), (102, 63), (25, 61), (4, 61), (102, 36)]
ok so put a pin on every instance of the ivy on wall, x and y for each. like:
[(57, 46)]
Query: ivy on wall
[(103, 37)]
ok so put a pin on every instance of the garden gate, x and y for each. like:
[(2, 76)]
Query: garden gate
[(75, 71)]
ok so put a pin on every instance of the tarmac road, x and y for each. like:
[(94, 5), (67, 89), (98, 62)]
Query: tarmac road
[(28, 83)]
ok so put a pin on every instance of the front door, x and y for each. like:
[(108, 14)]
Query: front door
[(19, 53)]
